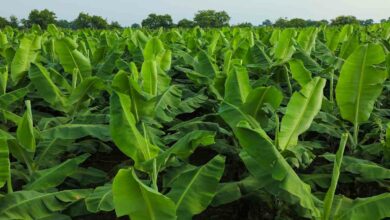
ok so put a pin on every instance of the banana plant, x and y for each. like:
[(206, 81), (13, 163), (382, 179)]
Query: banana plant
[(147, 94), (360, 84)]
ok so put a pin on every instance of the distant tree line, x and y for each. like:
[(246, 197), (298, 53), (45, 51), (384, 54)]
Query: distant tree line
[(45, 17), (203, 18)]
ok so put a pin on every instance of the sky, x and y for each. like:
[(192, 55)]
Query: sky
[(127, 12)]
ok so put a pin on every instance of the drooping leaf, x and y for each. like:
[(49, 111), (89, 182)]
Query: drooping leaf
[(11, 97), (45, 86), (138, 201), (193, 190), (31, 205), (265, 161), (257, 100), (301, 110), (299, 72), (124, 132), (85, 88), (52, 177), (25, 54), (374, 207), (75, 131), (368, 170), (186, 145), (100, 199)]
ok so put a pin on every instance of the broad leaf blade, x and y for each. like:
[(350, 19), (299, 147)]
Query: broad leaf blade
[(100, 199), (140, 202), (72, 59), (301, 110), (52, 177), (193, 191), (360, 83), (31, 205), (265, 161), (25, 131)]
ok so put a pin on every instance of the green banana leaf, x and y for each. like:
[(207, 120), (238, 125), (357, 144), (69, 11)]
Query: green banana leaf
[(284, 47), (71, 59), (124, 132), (257, 100), (30, 205), (100, 199), (75, 131), (193, 190), (3, 80), (25, 131), (368, 170), (301, 110), (4, 158), (360, 83), (374, 207), (299, 72), (264, 161), (11, 97), (45, 86), (307, 39), (138, 201), (328, 200), (237, 85), (54, 176), (25, 54)]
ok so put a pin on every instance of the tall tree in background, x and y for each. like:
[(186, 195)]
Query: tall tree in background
[(98, 22), (84, 20), (42, 18), (211, 18), (185, 23), (343, 20), (115, 25), (64, 24), (367, 22), (297, 22), (281, 22), (267, 22), (3, 22), (244, 24), (157, 21), (13, 21), (135, 25)]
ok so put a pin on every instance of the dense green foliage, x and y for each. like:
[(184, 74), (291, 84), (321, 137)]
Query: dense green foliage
[(156, 21), (228, 123), (211, 18), (42, 18), (203, 18)]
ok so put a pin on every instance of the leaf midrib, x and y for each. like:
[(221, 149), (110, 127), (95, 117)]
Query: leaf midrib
[(362, 71), (189, 186)]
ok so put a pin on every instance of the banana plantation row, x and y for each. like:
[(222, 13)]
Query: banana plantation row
[(228, 123)]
